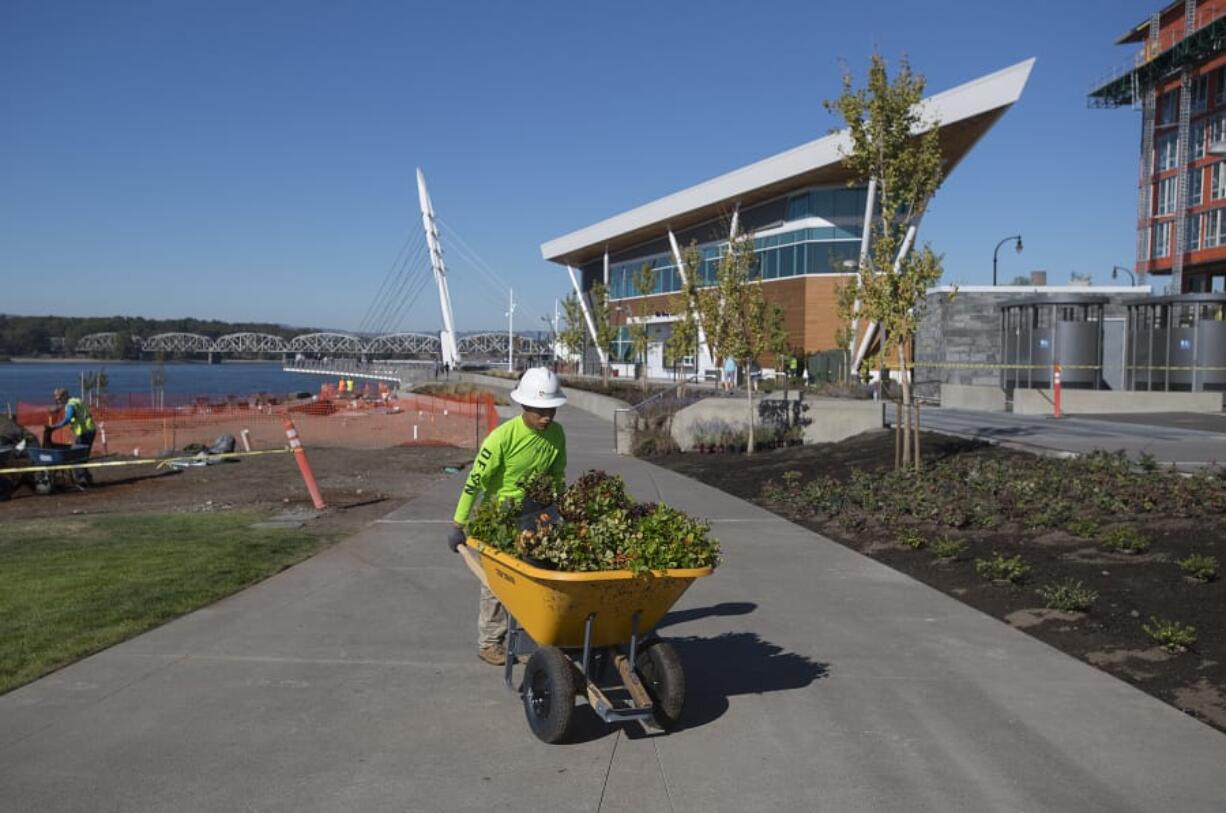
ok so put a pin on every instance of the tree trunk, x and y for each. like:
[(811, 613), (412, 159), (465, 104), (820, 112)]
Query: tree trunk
[(749, 400), (916, 424), (905, 381), (898, 435)]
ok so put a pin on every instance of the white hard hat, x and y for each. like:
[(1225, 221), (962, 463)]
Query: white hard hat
[(539, 387)]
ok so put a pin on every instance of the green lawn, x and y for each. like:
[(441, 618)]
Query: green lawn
[(74, 586)]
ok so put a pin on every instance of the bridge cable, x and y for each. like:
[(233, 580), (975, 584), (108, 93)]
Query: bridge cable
[(412, 281), (387, 276), (475, 259), (407, 263), (410, 266)]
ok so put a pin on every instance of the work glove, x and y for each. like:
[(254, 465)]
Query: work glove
[(456, 538)]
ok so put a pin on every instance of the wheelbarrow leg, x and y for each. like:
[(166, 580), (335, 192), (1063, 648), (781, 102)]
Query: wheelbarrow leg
[(511, 650)]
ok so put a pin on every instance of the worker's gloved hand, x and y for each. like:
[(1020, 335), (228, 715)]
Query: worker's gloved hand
[(456, 538)]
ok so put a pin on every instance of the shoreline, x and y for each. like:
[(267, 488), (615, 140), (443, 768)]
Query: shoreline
[(104, 362)]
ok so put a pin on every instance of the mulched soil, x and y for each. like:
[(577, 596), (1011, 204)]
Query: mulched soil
[(1131, 588), (359, 486)]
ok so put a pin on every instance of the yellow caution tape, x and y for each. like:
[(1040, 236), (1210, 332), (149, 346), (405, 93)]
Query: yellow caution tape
[(970, 365), (160, 462)]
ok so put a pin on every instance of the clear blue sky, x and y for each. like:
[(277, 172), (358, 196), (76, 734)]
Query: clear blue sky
[(255, 160)]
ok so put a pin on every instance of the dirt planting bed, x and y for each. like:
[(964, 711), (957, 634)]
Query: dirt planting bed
[(1026, 539), (359, 485)]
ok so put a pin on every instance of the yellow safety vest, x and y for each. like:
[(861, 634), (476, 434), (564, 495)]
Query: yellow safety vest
[(81, 420)]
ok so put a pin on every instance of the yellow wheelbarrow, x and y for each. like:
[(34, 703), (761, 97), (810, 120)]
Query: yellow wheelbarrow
[(579, 624)]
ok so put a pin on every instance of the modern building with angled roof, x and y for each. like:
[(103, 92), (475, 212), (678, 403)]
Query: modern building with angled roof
[(806, 221)]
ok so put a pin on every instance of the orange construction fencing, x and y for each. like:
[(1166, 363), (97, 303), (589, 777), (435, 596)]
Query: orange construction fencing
[(136, 428)]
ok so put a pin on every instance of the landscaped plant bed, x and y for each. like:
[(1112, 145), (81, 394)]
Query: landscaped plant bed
[(1029, 540)]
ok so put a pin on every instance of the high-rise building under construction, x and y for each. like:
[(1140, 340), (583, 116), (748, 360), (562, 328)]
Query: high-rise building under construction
[(1178, 81)]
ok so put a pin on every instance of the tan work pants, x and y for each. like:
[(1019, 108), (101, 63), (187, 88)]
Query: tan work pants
[(491, 620)]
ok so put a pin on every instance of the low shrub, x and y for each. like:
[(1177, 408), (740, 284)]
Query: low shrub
[(1002, 568), (1078, 494), (1124, 539), (1200, 567), (1084, 527), (911, 538), (1068, 595), (948, 549), (1174, 636), (602, 528)]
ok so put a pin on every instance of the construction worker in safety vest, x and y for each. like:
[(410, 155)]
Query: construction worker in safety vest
[(523, 446), (76, 416)]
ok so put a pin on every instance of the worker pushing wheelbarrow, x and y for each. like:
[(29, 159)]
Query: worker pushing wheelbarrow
[(582, 610)]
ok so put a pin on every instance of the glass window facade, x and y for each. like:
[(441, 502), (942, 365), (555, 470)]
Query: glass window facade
[(791, 253), (1219, 86), (1168, 152), (1168, 107), (1167, 190), (1196, 140), (1200, 93), (1215, 228), (1162, 240), (1217, 182), (1196, 184), (1192, 230)]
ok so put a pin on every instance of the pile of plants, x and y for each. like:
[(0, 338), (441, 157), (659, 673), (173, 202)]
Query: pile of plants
[(592, 524)]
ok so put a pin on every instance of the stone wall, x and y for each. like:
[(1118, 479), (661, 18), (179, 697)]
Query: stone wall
[(824, 420), (964, 329)]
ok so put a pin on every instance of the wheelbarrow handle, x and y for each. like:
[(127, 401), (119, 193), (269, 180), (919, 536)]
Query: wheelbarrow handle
[(470, 559)]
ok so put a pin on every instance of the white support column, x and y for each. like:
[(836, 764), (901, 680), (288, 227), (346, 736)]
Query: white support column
[(736, 220), (872, 328), (606, 267), (587, 314), (705, 359), (447, 340), (865, 234)]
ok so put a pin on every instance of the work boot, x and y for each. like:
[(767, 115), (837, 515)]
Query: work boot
[(494, 654)]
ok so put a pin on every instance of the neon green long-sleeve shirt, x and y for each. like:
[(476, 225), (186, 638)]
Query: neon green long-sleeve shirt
[(511, 453)]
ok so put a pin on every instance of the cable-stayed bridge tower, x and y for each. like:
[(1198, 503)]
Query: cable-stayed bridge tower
[(447, 337)]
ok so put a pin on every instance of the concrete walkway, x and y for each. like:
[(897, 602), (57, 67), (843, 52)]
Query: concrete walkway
[(819, 680)]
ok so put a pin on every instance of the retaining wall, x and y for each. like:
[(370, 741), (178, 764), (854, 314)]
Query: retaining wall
[(1039, 402), (825, 420), (969, 396)]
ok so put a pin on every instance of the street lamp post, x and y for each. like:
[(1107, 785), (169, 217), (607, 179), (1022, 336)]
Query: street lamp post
[(1115, 273), (1016, 237)]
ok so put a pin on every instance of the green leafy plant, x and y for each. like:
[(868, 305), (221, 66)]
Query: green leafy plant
[(603, 529), (911, 538), (1002, 568), (1082, 526), (1124, 539), (948, 549), (1200, 567), (540, 488), (1174, 636), (1068, 595)]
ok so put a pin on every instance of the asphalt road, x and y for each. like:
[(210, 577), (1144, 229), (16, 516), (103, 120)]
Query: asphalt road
[(1191, 445), (819, 680)]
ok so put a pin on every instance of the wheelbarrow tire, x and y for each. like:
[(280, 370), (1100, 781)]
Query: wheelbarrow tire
[(549, 694), (660, 669)]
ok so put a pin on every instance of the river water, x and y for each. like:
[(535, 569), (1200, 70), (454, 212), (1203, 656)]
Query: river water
[(33, 381)]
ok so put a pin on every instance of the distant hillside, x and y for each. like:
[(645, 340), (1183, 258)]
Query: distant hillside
[(57, 335)]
